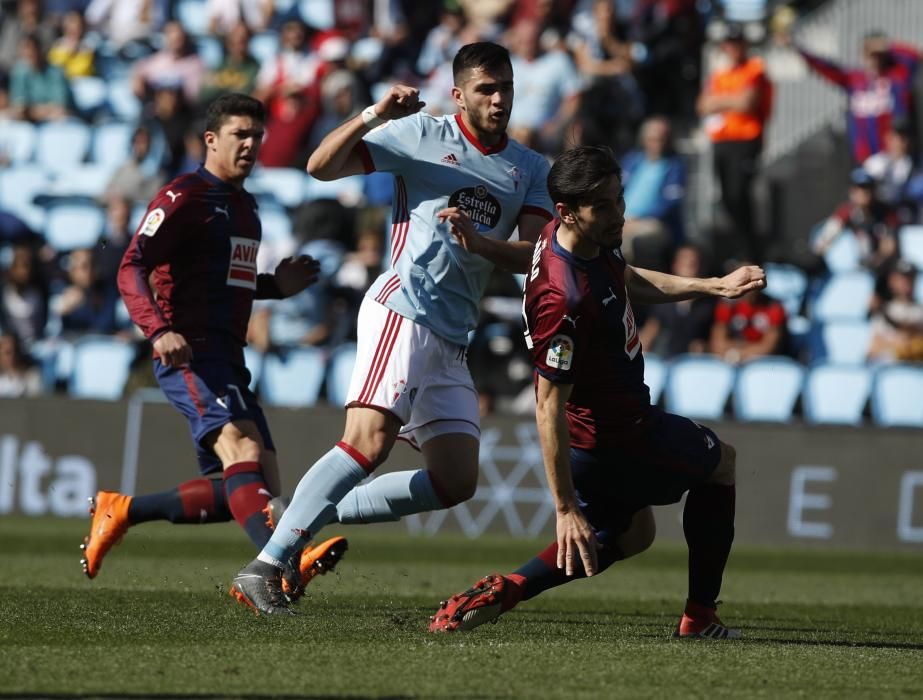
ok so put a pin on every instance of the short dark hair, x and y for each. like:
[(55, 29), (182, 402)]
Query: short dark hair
[(232, 105), (578, 174), (481, 54)]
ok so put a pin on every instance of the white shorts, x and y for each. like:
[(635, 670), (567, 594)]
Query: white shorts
[(406, 369)]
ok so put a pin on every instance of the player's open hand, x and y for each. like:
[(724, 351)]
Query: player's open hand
[(173, 349), (576, 539), (462, 228), (296, 273), (742, 280), (399, 101)]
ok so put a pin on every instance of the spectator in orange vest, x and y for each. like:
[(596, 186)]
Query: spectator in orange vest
[(735, 106)]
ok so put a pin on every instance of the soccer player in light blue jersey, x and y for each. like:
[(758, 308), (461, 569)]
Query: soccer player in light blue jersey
[(461, 189)]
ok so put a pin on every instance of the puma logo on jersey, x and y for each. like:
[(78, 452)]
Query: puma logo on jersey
[(573, 321), (174, 196), (611, 298), (223, 210)]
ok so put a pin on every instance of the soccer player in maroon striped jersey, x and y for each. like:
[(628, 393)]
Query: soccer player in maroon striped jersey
[(609, 454), (189, 279)]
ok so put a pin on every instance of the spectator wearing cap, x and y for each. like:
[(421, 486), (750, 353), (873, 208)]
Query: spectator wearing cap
[(891, 169), (897, 319), (877, 93), (177, 65), (864, 217), (735, 106)]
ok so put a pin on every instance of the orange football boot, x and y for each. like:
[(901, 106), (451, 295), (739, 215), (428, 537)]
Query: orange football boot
[(110, 523)]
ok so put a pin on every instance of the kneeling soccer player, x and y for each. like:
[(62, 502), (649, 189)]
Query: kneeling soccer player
[(609, 454)]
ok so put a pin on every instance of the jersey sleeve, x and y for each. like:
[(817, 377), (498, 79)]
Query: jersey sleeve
[(557, 338), (154, 244), (826, 68), (537, 200), (391, 146)]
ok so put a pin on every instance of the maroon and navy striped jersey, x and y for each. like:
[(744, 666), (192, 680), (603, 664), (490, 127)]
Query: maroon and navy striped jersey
[(191, 266), (581, 330)]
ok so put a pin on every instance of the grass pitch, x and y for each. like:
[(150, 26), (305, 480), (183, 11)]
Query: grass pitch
[(158, 622)]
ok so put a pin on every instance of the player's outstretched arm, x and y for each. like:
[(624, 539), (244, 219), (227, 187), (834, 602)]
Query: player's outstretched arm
[(575, 536), (651, 287), (335, 157)]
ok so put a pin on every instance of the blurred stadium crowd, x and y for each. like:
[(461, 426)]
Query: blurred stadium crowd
[(101, 104)]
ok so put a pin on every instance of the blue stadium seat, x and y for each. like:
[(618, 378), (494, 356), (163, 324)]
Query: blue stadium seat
[(285, 185), (294, 379), (347, 189), (17, 141), (655, 375), (767, 389), (101, 366), (317, 13), (910, 240), (62, 145), (253, 359), (277, 225), (836, 393), (71, 226), (843, 296), (843, 255), (211, 51), (698, 386), (90, 94), (264, 47), (122, 100), (339, 372), (896, 396), (845, 342), (19, 185), (112, 143), (191, 14), (787, 284), (84, 180)]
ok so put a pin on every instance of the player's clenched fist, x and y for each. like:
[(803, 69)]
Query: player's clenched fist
[(399, 101), (173, 349)]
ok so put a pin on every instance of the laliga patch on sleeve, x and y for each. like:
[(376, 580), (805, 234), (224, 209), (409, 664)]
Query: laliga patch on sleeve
[(560, 353), (152, 222)]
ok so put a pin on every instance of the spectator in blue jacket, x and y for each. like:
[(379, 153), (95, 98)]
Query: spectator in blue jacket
[(654, 178)]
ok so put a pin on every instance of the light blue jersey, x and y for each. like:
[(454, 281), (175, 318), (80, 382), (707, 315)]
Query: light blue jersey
[(438, 163)]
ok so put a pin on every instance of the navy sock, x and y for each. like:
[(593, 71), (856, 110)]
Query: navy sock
[(542, 572), (708, 523), (193, 502), (247, 496)]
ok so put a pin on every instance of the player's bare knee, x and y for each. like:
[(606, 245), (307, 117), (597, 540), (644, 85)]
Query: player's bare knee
[(726, 471)]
